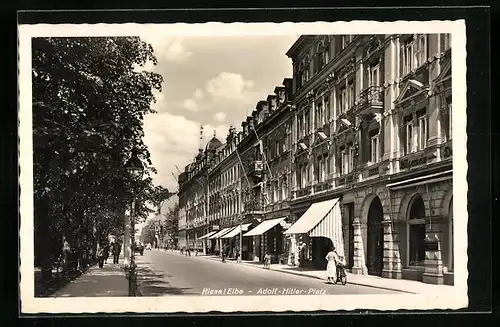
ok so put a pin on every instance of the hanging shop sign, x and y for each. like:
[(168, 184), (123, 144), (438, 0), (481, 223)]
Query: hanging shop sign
[(215, 227)]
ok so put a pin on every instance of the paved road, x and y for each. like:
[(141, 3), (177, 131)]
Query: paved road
[(169, 273)]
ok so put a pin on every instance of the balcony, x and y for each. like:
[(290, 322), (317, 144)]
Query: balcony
[(255, 168), (322, 186), (344, 179), (371, 100)]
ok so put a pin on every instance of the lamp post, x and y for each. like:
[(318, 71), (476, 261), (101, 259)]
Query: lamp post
[(136, 169)]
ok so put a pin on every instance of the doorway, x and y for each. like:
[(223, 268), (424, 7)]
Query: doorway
[(375, 239)]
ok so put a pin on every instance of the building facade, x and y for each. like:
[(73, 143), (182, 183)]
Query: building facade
[(355, 151)]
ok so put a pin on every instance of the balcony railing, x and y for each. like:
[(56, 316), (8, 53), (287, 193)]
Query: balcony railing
[(256, 167), (371, 98)]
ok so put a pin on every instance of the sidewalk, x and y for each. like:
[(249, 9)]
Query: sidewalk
[(401, 285), (109, 280)]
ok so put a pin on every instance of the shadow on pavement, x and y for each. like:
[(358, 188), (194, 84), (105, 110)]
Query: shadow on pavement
[(151, 283), (107, 281)]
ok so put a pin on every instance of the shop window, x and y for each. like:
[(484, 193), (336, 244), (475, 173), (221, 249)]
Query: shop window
[(416, 231)]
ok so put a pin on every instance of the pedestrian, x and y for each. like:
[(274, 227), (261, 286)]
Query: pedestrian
[(331, 269), (106, 251), (116, 251), (101, 254), (66, 252)]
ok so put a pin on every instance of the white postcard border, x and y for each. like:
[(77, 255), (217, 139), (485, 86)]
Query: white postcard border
[(202, 304)]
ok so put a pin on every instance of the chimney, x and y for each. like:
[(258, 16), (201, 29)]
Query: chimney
[(288, 83), (280, 94), (271, 99)]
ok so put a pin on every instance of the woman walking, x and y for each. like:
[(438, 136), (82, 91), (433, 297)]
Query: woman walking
[(101, 255), (331, 269)]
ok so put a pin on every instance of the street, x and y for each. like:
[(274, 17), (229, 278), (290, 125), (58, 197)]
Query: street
[(170, 273)]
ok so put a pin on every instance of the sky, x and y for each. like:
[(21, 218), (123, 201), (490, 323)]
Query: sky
[(212, 82)]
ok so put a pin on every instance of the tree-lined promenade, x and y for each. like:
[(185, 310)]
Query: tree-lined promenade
[(90, 97)]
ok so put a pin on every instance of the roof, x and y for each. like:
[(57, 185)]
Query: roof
[(213, 144)]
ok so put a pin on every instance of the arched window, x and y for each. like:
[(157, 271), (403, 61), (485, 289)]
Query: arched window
[(319, 58), (416, 232)]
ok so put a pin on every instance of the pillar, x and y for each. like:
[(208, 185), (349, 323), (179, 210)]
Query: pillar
[(392, 260), (359, 266)]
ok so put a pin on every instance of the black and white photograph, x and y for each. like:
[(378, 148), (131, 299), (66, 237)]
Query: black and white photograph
[(243, 167)]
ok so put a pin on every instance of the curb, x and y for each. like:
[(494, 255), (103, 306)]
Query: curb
[(316, 277)]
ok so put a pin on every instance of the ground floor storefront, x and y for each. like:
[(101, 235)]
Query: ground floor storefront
[(400, 230)]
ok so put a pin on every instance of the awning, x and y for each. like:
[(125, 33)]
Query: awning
[(264, 227), (322, 219), (236, 231), (220, 233), (421, 180), (316, 212), (207, 235)]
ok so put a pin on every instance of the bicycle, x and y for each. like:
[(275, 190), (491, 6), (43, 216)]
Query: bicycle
[(341, 275), (267, 262)]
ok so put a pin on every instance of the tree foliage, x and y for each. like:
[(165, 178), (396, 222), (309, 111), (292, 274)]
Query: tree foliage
[(89, 101)]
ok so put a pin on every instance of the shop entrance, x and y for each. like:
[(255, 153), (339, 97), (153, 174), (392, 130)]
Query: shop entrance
[(375, 239), (320, 248)]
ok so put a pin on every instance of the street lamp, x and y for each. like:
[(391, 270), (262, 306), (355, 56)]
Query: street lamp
[(136, 169)]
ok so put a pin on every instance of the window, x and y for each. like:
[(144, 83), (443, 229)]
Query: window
[(343, 100), (420, 50), (416, 231), (410, 146), (373, 76), (346, 39), (327, 108), (445, 42), (351, 96), (450, 120), (306, 121), (317, 169), (351, 158), (374, 151), (422, 129), (344, 161)]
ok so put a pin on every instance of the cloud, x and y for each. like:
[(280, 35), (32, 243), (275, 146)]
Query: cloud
[(220, 116), (166, 48), (198, 94), (229, 85), (190, 105)]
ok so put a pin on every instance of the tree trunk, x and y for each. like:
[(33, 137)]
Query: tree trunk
[(43, 239)]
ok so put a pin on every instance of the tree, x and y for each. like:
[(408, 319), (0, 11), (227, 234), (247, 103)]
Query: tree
[(89, 101), (171, 222), (148, 233)]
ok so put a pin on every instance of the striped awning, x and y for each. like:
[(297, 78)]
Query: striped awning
[(236, 231), (322, 219), (220, 233), (207, 235)]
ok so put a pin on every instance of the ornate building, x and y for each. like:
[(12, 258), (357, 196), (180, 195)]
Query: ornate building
[(372, 152), (355, 151)]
